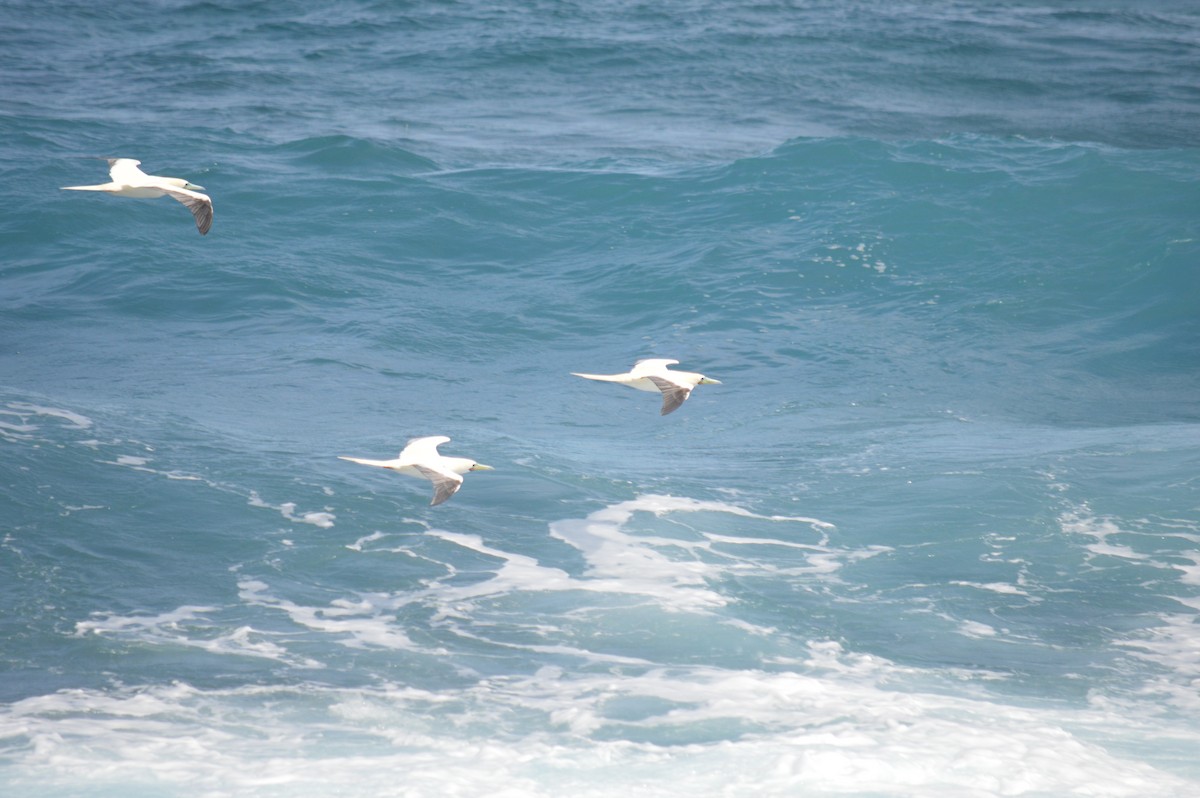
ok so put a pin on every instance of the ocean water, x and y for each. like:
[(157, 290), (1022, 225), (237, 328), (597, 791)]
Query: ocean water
[(937, 533)]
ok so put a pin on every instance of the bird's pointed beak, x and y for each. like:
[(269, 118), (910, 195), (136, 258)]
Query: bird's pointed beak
[(481, 467), (194, 187), (709, 381)]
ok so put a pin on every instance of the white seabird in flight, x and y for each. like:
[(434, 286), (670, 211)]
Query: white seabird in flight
[(129, 181), (653, 375), (420, 458)]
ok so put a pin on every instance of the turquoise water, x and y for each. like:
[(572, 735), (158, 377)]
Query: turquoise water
[(935, 534)]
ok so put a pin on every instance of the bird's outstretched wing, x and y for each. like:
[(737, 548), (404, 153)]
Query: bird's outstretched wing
[(655, 364), (673, 393), (445, 483), (423, 448), (125, 171), (199, 204)]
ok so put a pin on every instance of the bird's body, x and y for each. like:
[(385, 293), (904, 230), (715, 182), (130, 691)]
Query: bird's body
[(420, 458), (130, 181), (654, 376)]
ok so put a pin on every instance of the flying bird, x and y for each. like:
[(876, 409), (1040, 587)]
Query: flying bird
[(420, 458), (653, 375), (129, 181)]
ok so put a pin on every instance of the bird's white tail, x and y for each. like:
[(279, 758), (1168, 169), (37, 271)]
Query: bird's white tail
[(102, 187), (601, 377), (361, 461)]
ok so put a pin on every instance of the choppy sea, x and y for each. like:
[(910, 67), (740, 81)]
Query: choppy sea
[(935, 534)]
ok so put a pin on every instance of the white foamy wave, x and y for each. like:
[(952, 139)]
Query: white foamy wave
[(17, 431), (677, 564), (320, 518), (356, 624), (976, 629), (831, 726), (16, 423), (75, 419), (995, 587), (190, 627), (1080, 521), (517, 572), (1172, 639), (1175, 645), (371, 538), (646, 561)]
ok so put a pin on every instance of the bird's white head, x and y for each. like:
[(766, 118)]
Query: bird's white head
[(181, 183), (461, 465)]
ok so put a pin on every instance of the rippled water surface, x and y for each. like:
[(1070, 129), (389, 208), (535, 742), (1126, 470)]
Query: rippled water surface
[(935, 533)]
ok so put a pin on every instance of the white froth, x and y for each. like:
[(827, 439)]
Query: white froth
[(73, 508), (1173, 641), (995, 587), (17, 431), (355, 624), (190, 627), (75, 419), (976, 629), (677, 574), (130, 460), (322, 518), (599, 721), (618, 564), (1191, 573), (517, 572), (676, 570), (845, 729), (371, 538), (102, 623)]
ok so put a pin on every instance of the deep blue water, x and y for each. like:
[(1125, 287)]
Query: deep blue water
[(937, 533)]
